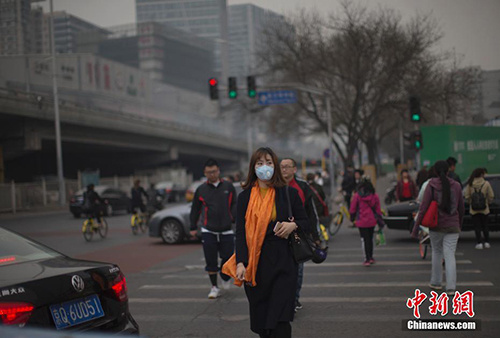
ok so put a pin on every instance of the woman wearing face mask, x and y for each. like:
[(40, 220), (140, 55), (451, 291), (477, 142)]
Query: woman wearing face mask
[(263, 259)]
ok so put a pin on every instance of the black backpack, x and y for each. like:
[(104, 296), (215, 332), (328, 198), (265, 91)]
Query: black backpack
[(478, 200)]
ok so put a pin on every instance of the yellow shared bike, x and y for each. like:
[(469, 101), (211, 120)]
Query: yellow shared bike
[(91, 226)]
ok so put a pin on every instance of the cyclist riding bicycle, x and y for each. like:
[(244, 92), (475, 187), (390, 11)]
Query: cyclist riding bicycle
[(92, 203), (137, 192)]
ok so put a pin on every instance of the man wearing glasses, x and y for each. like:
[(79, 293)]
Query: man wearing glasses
[(214, 206), (289, 170)]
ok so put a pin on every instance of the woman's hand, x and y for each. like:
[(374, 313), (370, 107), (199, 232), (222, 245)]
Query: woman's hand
[(286, 229), (240, 271)]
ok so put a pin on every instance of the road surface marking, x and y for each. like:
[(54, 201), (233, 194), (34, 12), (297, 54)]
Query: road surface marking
[(320, 285), (338, 273), (303, 299), (379, 263)]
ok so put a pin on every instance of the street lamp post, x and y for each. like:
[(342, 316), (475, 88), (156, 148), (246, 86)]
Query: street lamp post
[(60, 175)]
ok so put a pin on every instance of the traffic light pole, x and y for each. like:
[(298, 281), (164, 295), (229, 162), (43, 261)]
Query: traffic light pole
[(401, 141)]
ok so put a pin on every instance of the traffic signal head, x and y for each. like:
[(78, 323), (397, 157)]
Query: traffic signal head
[(232, 88), (415, 113), (251, 87), (213, 88), (417, 142)]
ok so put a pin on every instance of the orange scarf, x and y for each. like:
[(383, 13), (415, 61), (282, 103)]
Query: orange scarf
[(257, 219)]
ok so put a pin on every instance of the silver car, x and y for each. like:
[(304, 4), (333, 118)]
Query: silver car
[(172, 224)]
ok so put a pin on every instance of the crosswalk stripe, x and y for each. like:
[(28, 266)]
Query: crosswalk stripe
[(320, 285), (329, 264), (387, 318), (303, 299), (380, 263), (387, 254), (338, 273)]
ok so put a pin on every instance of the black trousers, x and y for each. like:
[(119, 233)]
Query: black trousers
[(217, 245), (367, 240), (480, 222), (282, 330)]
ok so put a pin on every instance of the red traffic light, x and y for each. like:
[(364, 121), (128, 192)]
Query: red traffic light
[(212, 82)]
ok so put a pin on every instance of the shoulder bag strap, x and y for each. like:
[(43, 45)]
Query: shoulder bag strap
[(290, 214)]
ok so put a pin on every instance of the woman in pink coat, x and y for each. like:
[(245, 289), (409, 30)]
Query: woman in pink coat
[(365, 203)]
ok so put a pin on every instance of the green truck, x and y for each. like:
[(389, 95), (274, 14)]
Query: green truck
[(472, 146)]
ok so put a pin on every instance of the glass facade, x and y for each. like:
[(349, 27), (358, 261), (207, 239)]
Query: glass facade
[(204, 18)]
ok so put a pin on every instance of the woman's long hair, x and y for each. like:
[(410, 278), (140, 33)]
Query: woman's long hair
[(478, 172), (276, 181), (441, 168)]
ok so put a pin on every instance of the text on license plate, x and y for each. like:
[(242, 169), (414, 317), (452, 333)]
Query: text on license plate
[(76, 311)]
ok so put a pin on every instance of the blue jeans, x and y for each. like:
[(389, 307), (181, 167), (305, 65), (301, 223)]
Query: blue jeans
[(444, 246), (299, 281)]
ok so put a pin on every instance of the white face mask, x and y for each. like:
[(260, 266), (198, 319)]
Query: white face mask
[(264, 172)]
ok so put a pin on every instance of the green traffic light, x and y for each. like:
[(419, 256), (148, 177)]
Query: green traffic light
[(415, 117), (232, 94), (418, 144), (251, 93)]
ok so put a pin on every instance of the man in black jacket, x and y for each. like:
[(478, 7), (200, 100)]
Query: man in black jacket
[(288, 170), (214, 205)]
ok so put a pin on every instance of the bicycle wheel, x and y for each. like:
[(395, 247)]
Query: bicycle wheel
[(103, 229), (87, 230), (135, 224), (336, 223)]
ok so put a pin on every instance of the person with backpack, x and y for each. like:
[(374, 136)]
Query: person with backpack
[(364, 205), (444, 236), (479, 195)]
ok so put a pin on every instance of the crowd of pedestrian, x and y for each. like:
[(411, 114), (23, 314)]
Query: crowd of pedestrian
[(249, 232)]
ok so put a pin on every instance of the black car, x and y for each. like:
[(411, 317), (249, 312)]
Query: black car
[(401, 215), (117, 200), (42, 288)]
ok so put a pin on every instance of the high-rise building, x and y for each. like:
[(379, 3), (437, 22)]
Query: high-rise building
[(66, 29), (16, 27), (167, 54), (204, 18), (246, 28), (490, 94)]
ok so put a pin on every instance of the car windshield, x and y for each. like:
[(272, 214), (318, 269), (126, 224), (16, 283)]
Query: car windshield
[(16, 249), (98, 189)]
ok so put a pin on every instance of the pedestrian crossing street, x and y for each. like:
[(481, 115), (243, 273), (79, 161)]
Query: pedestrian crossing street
[(340, 297)]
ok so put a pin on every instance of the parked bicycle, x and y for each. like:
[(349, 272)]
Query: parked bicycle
[(90, 226), (338, 219)]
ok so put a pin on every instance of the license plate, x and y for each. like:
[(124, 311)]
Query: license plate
[(76, 311)]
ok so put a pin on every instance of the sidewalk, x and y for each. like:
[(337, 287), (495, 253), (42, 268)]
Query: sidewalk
[(35, 211)]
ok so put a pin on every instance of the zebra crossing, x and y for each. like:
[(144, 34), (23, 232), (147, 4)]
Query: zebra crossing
[(340, 296)]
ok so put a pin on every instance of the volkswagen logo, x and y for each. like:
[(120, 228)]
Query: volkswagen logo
[(77, 283)]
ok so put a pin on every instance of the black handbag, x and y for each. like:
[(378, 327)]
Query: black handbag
[(301, 245)]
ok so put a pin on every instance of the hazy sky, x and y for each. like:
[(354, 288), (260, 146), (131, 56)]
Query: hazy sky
[(472, 27)]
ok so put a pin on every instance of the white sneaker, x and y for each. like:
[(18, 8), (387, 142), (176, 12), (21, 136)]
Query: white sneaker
[(226, 285), (487, 245), (479, 246), (214, 292)]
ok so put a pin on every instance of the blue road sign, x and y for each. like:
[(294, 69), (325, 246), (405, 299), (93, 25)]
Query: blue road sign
[(277, 97)]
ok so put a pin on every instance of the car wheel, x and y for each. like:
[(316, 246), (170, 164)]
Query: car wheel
[(109, 210), (76, 215), (171, 231)]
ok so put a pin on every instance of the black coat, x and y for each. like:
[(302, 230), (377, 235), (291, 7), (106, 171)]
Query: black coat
[(272, 300)]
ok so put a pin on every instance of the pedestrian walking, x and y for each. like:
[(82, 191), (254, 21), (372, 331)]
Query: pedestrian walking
[(479, 195), (406, 189), (444, 237), (289, 170), (365, 204), (422, 176), (348, 185), (214, 205), (452, 164), (263, 258)]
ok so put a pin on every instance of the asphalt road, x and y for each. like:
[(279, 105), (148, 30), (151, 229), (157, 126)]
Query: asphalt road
[(168, 287)]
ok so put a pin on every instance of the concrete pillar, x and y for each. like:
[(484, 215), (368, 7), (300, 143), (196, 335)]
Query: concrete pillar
[(44, 192)]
